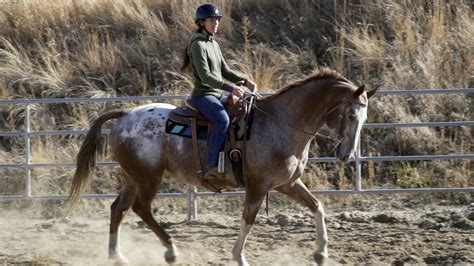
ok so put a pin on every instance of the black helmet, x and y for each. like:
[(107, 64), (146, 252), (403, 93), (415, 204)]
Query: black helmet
[(206, 11)]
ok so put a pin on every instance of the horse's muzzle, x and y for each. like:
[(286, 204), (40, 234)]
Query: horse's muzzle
[(345, 158)]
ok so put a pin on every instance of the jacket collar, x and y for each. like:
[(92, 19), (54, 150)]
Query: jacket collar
[(204, 35)]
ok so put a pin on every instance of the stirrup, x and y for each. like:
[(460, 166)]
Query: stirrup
[(237, 151)]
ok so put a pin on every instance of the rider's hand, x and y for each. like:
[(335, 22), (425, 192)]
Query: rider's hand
[(235, 90), (252, 86)]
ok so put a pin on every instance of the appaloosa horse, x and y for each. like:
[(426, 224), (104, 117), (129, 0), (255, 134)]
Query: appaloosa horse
[(277, 151)]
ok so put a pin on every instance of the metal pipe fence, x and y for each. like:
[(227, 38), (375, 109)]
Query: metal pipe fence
[(191, 193)]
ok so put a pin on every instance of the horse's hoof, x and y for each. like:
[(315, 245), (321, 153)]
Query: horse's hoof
[(241, 260), (119, 259), (320, 258), (170, 255)]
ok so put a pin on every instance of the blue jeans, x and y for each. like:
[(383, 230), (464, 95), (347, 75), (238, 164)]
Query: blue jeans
[(211, 107)]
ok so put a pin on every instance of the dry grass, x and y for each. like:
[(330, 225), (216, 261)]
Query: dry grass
[(122, 47)]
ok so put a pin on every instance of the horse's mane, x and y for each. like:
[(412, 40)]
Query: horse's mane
[(318, 74)]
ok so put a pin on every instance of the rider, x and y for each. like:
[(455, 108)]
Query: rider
[(209, 71)]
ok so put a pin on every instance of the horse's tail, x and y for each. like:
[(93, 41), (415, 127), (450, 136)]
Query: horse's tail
[(86, 158)]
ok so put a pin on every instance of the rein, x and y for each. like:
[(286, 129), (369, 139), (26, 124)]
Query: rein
[(274, 118)]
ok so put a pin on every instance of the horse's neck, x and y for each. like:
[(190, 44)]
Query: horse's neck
[(300, 111), (304, 107)]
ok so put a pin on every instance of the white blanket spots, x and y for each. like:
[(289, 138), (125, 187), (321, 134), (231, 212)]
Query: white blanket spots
[(143, 128)]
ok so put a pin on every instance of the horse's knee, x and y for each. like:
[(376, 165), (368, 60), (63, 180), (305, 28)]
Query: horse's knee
[(320, 208), (321, 236), (319, 215)]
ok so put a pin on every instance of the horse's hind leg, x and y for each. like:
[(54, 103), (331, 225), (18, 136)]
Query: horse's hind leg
[(142, 207), (119, 209), (298, 191)]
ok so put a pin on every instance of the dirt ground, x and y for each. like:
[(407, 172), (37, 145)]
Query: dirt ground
[(362, 229)]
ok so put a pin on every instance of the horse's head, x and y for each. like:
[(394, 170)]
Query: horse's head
[(346, 120)]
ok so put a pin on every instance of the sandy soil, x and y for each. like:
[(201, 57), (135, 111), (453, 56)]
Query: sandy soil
[(392, 231)]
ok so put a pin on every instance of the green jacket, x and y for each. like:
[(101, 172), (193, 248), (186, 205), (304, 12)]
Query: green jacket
[(209, 67)]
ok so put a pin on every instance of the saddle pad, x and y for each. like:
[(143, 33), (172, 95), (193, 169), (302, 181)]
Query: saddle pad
[(184, 129)]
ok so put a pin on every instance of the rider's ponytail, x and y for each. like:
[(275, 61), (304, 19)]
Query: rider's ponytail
[(186, 58)]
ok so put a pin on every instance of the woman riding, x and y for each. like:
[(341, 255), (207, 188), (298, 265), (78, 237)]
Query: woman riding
[(209, 71)]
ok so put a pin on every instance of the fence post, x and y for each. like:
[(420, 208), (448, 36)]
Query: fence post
[(28, 151), (191, 202), (358, 181)]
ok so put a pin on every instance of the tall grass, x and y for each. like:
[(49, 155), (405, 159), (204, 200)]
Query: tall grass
[(122, 47)]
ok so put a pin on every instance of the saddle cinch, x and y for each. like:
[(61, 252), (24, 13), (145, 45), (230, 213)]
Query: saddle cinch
[(186, 121)]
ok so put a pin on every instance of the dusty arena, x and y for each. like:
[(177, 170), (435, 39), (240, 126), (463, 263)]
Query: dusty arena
[(368, 229)]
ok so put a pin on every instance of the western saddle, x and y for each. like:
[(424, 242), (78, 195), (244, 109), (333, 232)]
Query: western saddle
[(235, 107), (187, 114)]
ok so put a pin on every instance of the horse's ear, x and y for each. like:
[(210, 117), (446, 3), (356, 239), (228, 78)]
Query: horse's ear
[(372, 92), (359, 91)]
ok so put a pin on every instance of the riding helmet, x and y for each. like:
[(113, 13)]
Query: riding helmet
[(207, 11)]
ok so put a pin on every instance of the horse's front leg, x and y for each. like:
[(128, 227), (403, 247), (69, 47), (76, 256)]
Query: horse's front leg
[(253, 200), (299, 192)]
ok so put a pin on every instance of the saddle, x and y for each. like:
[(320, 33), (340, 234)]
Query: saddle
[(186, 120), (235, 107)]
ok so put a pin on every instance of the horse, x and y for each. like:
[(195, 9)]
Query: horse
[(284, 124)]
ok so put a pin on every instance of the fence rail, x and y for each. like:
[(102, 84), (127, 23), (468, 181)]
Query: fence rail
[(191, 192)]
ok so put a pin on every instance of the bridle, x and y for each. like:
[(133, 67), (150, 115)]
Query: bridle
[(339, 128)]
